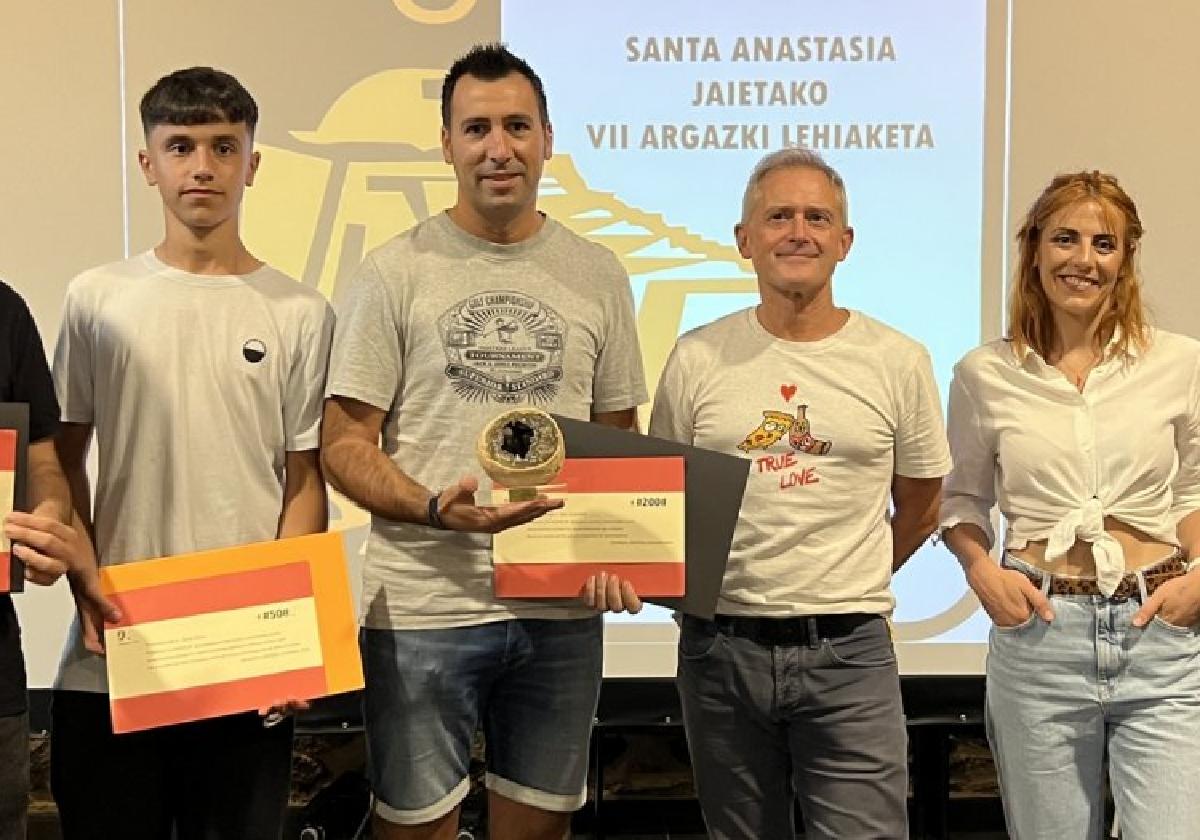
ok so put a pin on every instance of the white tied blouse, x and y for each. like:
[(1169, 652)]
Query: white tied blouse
[(1057, 461)]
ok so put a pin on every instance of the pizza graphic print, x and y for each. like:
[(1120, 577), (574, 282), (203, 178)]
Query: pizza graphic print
[(504, 347), (776, 425)]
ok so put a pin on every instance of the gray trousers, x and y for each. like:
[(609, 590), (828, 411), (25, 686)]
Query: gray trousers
[(14, 775), (819, 723)]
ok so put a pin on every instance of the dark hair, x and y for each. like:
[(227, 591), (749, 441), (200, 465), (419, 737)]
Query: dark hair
[(195, 96), (491, 62)]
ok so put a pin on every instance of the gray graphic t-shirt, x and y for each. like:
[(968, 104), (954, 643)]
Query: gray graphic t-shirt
[(443, 331)]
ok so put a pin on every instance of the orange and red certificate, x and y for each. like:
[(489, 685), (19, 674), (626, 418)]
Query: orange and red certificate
[(622, 515), (10, 572), (228, 631)]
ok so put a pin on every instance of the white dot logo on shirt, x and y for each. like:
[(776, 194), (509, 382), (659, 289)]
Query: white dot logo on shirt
[(254, 351)]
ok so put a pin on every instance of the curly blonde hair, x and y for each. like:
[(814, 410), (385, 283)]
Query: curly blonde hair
[(1030, 324)]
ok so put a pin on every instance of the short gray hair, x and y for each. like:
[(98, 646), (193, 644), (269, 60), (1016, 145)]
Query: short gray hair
[(793, 158)]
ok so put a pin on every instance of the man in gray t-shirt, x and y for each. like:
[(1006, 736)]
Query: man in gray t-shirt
[(486, 306)]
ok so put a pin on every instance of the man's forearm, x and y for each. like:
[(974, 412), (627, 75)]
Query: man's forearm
[(305, 504), (80, 514), (626, 419), (305, 514), (909, 532), (49, 491), (72, 446), (363, 473), (915, 503), (81, 501), (75, 469)]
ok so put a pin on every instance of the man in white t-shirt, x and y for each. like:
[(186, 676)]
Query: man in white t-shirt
[(792, 691), (200, 370)]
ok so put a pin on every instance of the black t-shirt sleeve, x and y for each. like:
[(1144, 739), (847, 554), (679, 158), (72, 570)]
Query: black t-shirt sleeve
[(27, 378), (24, 377)]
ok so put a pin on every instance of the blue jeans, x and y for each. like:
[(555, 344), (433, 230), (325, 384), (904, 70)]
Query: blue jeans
[(821, 723), (532, 684), (1061, 695)]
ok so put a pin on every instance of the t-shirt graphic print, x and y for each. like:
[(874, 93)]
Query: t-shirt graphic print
[(776, 424), (504, 347)]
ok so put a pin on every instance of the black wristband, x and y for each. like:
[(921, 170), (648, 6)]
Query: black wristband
[(435, 518)]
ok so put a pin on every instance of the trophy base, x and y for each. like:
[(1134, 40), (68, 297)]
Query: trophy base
[(501, 494)]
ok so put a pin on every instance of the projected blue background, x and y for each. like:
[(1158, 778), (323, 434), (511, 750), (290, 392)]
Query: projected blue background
[(917, 212)]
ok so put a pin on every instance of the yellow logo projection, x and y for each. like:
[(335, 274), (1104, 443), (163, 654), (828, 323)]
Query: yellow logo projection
[(373, 168)]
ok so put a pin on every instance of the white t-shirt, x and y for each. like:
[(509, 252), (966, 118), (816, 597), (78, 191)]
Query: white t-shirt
[(197, 387), (826, 425), (1059, 460), (444, 331)]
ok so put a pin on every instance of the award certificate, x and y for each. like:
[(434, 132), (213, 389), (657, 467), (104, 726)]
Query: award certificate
[(622, 515), (230, 630)]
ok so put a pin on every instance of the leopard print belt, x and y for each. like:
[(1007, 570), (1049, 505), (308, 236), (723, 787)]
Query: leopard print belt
[(1156, 574)]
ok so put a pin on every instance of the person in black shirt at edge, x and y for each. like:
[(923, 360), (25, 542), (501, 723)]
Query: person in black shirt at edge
[(43, 541)]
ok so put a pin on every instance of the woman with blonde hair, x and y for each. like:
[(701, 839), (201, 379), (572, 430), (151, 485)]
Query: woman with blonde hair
[(1083, 426)]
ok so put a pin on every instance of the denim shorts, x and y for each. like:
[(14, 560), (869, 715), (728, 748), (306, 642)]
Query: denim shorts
[(531, 684)]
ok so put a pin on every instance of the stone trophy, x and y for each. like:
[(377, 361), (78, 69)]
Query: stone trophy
[(521, 450)]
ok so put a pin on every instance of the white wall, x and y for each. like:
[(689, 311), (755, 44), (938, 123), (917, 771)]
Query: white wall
[(1109, 85)]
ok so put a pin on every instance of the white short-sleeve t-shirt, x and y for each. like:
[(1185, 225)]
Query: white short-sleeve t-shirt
[(826, 426), (197, 387)]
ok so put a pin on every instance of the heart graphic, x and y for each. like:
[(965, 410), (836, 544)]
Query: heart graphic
[(788, 392)]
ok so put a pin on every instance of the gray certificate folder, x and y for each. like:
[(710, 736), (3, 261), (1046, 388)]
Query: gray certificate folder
[(713, 487)]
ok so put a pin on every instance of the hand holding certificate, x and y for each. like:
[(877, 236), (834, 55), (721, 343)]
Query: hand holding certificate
[(14, 432), (553, 557), (231, 630), (713, 482)]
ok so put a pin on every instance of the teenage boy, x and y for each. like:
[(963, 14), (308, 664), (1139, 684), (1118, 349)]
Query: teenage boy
[(200, 370)]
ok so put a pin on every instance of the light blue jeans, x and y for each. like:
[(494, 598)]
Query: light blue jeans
[(1062, 695)]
